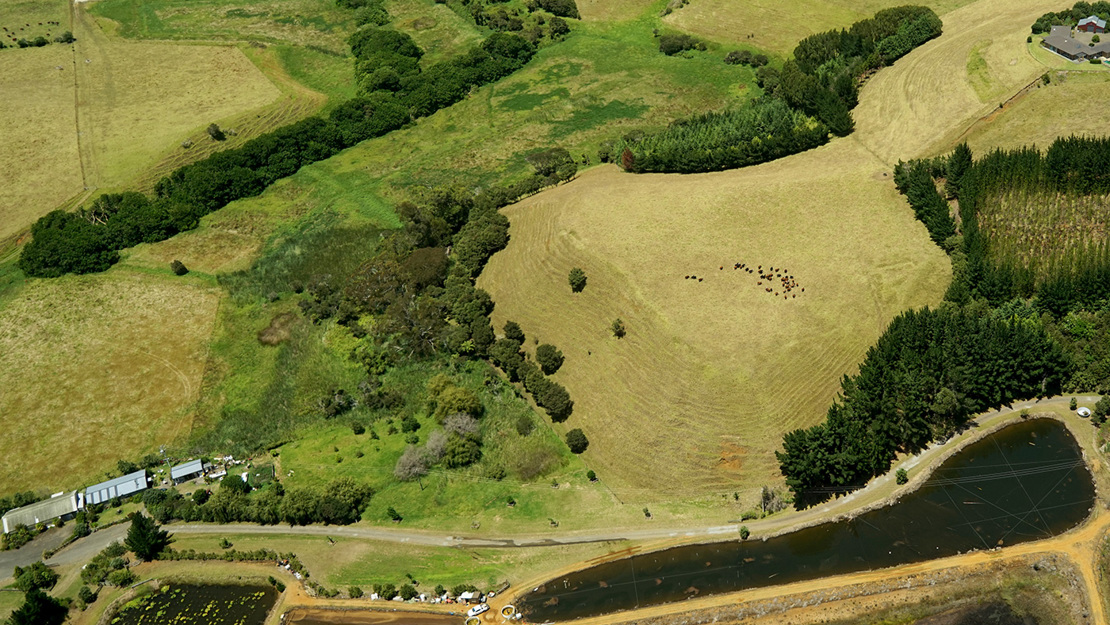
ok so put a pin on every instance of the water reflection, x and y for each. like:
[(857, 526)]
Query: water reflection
[(1026, 482)]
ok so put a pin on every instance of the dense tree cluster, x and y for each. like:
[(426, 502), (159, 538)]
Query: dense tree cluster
[(367, 11), (394, 92), (340, 502), (108, 561), (39, 608), (763, 130), (823, 78), (929, 206), (745, 57), (1071, 167), (1065, 291), (1071, 17), (922, 380), (35, 577), (809, 97), (550, 395)]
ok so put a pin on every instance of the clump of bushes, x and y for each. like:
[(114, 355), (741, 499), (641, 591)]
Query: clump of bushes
[(675, 43), (745, 57)]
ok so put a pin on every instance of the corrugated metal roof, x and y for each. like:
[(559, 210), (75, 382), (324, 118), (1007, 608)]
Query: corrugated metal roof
[(1101, 23), (41, 511), (186, 468), (119, 487)]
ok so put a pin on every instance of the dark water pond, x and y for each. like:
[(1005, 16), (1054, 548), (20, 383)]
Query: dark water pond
[(1025, 482), (201, 605)]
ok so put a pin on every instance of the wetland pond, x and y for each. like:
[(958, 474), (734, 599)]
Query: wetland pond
[(191, 604), (1025, 482)]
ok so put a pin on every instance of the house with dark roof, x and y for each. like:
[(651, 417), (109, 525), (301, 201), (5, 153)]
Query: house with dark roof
[(1061, 42), (1092, 24)]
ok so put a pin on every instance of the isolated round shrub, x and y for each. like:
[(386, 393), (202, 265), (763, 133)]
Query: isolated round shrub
[(901, 477), (549, 357), (577, 441), (178, 268), (577, 280)]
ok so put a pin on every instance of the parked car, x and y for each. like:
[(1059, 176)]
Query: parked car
[(478, 609)]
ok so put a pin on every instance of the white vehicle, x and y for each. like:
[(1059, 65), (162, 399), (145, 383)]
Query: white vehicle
[(478, 609)]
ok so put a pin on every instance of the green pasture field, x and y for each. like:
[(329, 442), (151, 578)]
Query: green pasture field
[(323, 72), (603, 81), (437, 29), (471, 495)]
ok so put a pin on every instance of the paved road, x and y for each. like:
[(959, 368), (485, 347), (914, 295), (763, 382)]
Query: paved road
[(32, 551)]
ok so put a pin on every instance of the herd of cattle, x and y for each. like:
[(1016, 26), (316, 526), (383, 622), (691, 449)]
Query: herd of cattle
[(779, 281)]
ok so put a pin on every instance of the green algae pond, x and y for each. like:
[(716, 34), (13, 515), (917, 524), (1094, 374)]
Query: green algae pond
[(200, 604)]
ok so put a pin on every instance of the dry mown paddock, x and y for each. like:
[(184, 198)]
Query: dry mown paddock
[(698, 395)]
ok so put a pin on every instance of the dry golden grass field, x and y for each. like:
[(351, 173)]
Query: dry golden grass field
[(135, 99), (40, 164), (697, 396), (85, 360), (778, 26), (712, 373), (1058, 109), (294, 103), (125, 111), (926, 101)]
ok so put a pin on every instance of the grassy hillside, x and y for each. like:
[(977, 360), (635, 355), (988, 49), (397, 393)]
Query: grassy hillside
[(1046, 113), (712, 372), (603, 81), (721, 370), (925, 102), (302, 22)]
